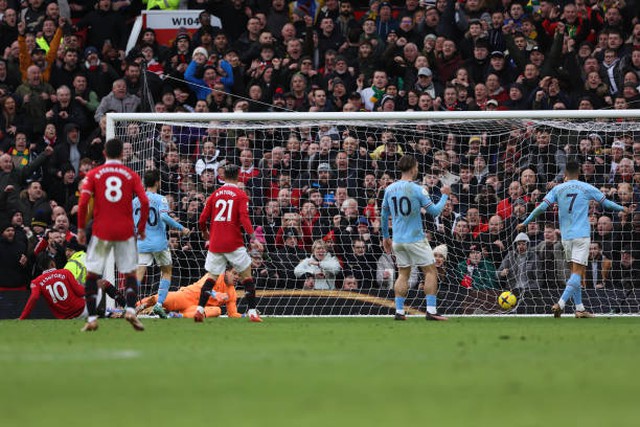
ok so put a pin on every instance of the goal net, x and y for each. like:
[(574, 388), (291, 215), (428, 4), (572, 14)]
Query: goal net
[(316, 182)]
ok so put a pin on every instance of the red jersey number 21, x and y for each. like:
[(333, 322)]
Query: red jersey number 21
[(225, 209)]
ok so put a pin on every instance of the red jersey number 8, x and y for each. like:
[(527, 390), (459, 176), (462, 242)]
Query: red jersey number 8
[(113, 192)]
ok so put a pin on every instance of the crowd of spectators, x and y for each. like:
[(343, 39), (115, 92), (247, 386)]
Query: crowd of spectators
[(316, 191)]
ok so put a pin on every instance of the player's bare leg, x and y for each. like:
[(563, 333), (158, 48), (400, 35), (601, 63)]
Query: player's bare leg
[(401, 289), (431, 290), (91, 295), (250, 294), (131, 295), (206, 292)]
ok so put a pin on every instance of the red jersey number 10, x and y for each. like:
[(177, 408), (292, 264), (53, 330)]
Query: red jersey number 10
[(58, 292), (225, 210)]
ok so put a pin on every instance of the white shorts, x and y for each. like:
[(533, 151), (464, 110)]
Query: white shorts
[(417, 254), (577, 250), (125, 253), (216, 264), (162, 258)]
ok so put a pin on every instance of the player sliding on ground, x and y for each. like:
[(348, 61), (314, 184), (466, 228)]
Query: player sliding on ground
[(156, 245), (112, 186), (185, 300), (573, 197), (227, 211), (404, 200)]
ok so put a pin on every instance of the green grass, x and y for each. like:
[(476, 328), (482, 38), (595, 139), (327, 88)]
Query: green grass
[(322, 372)]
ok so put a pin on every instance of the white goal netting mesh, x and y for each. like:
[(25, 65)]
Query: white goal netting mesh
[(322, 181)]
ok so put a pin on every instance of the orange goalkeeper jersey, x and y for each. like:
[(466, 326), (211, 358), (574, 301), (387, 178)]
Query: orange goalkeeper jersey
[(188, 296)]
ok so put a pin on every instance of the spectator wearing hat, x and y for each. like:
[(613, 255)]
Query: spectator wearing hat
[(518, 269), (287, 256), (425, 83), (382, 13), (211, 75), (343, 73), (71, 148), (499, 66), (517, 100), (64, 190), (148, 37), (478, 64), (387, 103), (338, 93), (179, 56), (100, 75), (14, 265)]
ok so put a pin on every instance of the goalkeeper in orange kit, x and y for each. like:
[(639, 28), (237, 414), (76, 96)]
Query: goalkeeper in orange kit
[(185, 299)]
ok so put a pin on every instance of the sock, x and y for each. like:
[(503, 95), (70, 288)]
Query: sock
[(249, 292), (575, 282), (205, 292), (568, 291), (573, 286), (431, 304), (91, 292), (130, 310), (111, 290), (163, 290), (92, 319), (400, 304), (131, 292), (252, 312)]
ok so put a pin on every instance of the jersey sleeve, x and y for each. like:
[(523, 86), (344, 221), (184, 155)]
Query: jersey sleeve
[(550, 197), (33, 298), (244, 215), (595, 194), (423, 196), (88, 187), (136, 212)]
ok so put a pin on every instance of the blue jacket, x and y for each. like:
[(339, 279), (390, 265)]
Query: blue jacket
[(200, 87)]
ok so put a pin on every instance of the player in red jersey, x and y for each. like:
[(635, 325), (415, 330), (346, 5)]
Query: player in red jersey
[(227, 212), (63, 294), (113, 187)]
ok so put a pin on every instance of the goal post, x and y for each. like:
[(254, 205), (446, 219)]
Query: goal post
[(316, 181)]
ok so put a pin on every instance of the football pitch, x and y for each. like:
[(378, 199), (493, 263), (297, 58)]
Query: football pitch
[(322, 372)]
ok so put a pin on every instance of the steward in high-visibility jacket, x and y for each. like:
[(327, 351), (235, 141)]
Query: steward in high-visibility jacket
[(76, 257), (162, 4)]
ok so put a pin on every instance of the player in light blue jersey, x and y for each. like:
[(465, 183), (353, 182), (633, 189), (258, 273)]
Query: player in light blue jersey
[(404, 201), (156, 245), (573, 197)]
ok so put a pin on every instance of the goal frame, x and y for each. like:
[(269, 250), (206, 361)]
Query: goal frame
[(359, 118)]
